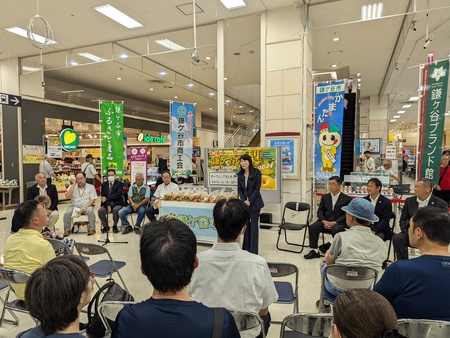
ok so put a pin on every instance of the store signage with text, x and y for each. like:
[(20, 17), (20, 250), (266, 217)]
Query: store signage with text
[(69, 139), (150, 139)]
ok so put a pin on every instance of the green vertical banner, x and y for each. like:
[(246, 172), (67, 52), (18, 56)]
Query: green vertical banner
[(435, 93), (111, 121)]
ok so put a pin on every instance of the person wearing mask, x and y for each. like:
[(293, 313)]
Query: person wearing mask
[(42, 188), (82, 196), (58, 308), (249, 185), (442, 189), (88, 168), (166, 187), (375, 316), (423, 197), (112, 201), (46, 168)]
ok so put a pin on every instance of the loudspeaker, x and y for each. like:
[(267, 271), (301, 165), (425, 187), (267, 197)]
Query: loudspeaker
[(265, 218)]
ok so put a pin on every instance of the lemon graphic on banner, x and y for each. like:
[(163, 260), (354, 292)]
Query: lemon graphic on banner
[(69, 139)]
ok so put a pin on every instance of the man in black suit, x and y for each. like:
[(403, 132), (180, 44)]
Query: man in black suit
[(43, 188), (331, 217), (423, 197), (383, 209), (112, 201)]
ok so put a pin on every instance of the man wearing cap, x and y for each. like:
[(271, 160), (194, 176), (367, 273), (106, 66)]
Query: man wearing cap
[(357, 246), (423, 197), (88, 168), (46, 168)]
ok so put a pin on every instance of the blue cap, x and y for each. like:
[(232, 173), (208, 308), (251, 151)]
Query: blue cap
[(362, 209)]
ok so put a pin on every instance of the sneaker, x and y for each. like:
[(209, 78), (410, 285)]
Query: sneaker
[(105, 229), (324, 247), (312, 254), (66, 233), (115, 229), (127, 230), (91, 232), (137, 231)]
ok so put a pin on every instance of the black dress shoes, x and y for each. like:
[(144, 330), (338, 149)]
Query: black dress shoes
[(104, 229), (312, 254), (115, 229)]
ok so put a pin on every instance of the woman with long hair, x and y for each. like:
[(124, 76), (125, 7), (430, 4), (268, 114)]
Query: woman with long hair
[(249, 184)]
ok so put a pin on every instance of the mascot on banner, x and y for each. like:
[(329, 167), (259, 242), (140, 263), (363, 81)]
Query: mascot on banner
[(329, 140)]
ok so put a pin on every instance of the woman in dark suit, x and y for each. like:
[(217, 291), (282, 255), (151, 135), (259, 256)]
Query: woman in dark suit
[(249, 184)]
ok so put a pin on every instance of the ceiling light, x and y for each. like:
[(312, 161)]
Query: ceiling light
[(190, 85), (73, 63), (373, 11), (151, 88), (243, 119), (30, 69), (227, 101), (119, 17), (359, 80), (169, 44), (210, 108), (225, 78), (163, 72), (240, 107), (392, 120), (401, 112), (406, 106), (119, 78), (447, 114), (123, 56), (333, 66), (92, 57), (396, 116), (207, 57), (175, 97), (211, 94), (336, 39), (413, 98), (234, 115), (23, 33), (233, 4)]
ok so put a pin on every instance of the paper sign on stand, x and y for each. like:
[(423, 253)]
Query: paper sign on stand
[(138, 162)]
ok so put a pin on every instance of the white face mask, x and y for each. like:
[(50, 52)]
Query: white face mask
[(111, 178)]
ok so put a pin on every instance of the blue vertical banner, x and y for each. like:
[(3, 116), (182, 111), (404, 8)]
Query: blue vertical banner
[(328, 118), (182, 135)]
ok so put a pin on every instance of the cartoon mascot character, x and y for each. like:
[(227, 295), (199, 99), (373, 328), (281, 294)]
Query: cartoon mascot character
[(329, 141)]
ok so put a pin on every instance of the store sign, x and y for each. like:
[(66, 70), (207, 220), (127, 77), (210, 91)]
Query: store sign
[(138, 162), (150, 139), (432, 118), (69, 139), (391, 152), (54, 148)]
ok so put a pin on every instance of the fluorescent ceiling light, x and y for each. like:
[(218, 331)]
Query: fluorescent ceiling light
[(401, 112), (92, 57), (373, 11), (413, 98), (333, 66), (233, 4), (72, 91), (119, 17), (23, 33), (392, 120), (30, 69), (336, 39), (396, 116), (169, 44), (406, 106)]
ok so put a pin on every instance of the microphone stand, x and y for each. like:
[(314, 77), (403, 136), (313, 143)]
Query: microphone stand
[(106, 240)]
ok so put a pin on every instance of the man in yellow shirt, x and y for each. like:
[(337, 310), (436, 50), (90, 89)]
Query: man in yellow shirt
[(27, 249)]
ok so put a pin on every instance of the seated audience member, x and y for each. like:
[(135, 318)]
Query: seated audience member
[(111, 193), (82, 196), (362, 313), (168, 251), (383, 209), (357, 246), (423, 197), (166, 187), (138, 197), (27, 250), (55, 295), (42, 188), (331, 216), (226, 261), (417, 287)]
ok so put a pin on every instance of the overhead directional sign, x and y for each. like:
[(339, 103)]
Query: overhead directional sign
[(11, 100)]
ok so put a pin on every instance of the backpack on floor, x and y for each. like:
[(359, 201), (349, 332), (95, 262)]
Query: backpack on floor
[(111, 291)]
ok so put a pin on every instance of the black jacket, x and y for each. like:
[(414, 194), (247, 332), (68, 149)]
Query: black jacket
[(383, 209), (115, 197), (326, 211), (33, 191), (252, 192), (411, 206)]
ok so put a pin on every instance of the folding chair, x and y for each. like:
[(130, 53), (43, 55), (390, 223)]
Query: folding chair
[(393, 218), (79, 223), (247, 321), (287, 292), (287, 226), (304, 325), (349, 273), (17, 277), (108, 312), (422, 328), (103, 268), (3, 286)]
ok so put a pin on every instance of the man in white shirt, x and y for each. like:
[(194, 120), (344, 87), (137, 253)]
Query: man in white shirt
[(83, 196), (229, 276), (387, 167), (166, 187), (369, 162), (46, 168), (88, 168)]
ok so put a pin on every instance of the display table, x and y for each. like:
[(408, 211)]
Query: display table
[(198, 216), (8, 189)]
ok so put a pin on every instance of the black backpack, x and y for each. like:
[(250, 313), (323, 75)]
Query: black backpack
[(111, 291)]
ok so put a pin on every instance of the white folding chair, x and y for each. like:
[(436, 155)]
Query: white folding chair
[(248, 321), (422, 328), (304, 325), (108, 312)]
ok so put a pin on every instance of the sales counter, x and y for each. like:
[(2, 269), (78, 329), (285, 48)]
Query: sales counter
[(196, 215)]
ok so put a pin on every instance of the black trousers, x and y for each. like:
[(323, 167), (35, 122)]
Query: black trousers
[(151, 212), (251, 235), (317, 228), (401, 244)]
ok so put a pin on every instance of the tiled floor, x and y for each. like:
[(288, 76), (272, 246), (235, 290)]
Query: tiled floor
[(140, 288)]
